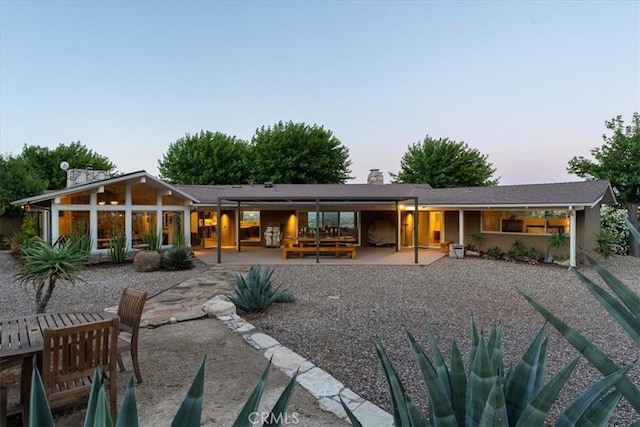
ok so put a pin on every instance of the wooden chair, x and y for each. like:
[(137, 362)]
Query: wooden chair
[(130, 312), (70, 357)]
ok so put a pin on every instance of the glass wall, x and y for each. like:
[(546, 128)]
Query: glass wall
[(143, 195), (142, 223), (172, 231), (531, 222), (332, 224), (110, 224), (250, 226), (72, 223)]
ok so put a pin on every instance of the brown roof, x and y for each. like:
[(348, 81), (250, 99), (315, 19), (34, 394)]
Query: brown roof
[(583, 193)]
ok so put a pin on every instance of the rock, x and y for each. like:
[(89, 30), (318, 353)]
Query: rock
[(220, 308), (147, 261)]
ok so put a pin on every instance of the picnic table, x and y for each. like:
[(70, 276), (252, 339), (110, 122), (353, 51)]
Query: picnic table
[(338, 245)]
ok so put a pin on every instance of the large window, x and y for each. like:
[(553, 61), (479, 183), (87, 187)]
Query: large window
[(72, 223), (143, 195), (331, 224), (172, 231), (81, 198), (142, 224), (112, 195), (110, 225), (530, 221)]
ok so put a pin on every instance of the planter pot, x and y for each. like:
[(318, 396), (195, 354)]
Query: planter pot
[(147, 261)]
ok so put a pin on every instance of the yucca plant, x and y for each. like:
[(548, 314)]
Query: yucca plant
[(81, 238), (494, 252), (44, 265), (178, 258), (625, 309), (153, 240), (256, 292), (488, 395), (605, 243), (189, 413), (117, 248)]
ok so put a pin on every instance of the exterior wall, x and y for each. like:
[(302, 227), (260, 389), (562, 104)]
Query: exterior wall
[(588, 226), (9, 226), (227, 228)]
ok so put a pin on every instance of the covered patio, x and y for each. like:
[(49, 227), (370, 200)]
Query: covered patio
[(256, 255)]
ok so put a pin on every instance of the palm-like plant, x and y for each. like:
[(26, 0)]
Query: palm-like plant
[(44, 265), (256, 292)]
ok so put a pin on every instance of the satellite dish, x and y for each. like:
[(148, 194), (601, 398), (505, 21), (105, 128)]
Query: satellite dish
[(64, 165)]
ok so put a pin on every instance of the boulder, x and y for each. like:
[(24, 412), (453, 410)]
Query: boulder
[(220, 308), (147, 261)]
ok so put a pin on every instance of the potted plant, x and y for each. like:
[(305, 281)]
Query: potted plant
[(13, 242)]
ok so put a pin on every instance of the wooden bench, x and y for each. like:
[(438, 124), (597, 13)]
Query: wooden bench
[(338, 250)]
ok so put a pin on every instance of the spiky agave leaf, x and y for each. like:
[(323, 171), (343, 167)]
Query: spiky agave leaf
[(442, 370), (600, 412), (352, 418), (401, 416), (458, 383), (96, 414), (39, 410), (571, 415), (494, 347), (475, 341), (537, 409), (439, 402), (633, 230), (128, 415), (542, 366), (521, 386), (278, 413), (190, 411), (251, 405), (495, 410), (592, 353), (479, 384)]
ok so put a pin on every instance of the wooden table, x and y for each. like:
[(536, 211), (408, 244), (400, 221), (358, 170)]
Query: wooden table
[(24, 337), (337, 245)]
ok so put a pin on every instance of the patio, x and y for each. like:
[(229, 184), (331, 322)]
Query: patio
[(252, 255)]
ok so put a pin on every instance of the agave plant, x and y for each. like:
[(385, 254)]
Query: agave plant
[(256, 292), (488, 395), (625, 309), (189, 413), (117, 251), (178, 258)]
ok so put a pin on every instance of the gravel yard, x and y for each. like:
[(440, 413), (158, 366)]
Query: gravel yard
[(341, 312)]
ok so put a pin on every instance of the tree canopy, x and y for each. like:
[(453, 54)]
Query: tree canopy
[(45, 162), (17, 181), (298, 153), (206, 158), (618, 161), (443, 163)]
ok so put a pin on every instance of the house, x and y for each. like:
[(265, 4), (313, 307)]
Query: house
[(414, 215)]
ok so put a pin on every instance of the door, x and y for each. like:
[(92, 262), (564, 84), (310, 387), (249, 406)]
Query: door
[(430, 229)]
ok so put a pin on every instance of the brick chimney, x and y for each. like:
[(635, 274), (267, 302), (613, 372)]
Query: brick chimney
[(375, 177)]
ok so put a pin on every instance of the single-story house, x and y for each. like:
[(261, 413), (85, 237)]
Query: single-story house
[(401, 215)]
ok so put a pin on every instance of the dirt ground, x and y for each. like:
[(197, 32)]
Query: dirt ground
[(170, 357)]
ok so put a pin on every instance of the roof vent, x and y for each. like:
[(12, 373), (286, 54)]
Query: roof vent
[(268, 184), (375, 177)]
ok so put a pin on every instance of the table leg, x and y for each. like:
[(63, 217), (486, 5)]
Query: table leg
[(25, 387)]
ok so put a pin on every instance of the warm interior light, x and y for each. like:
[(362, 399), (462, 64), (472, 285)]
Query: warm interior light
[(101, 202), (114, 202)]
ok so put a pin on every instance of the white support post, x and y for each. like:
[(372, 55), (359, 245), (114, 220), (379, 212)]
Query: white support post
[(461, 227), (572, 237)]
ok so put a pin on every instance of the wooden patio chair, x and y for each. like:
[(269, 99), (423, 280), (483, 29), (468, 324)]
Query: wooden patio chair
[(130, 312), (70, 357)]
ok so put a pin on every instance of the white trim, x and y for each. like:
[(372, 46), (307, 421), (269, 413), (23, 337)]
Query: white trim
[(572, 238), (461, 227)]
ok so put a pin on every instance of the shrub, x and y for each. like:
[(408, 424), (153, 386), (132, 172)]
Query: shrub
[(520, 252), (117, 249), (612, 219), (81, 239), (256, 292), (556, 240), (605, 243), (178, 258), (153, 240), (474, 242), (494, 252)]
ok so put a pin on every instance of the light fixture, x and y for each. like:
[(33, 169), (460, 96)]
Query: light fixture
[(114, 202), (101, 202)]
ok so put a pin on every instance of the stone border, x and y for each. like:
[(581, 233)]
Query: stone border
[(323, 386)]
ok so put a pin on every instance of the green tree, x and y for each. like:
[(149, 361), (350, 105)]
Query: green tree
[(297, 153), (617, 161), (444, 163), (45, 162), (206, 158), (17, 181)]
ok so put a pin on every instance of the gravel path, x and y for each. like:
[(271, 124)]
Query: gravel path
[(342, 311)]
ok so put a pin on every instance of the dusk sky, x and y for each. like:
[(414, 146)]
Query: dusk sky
[(530, 84)]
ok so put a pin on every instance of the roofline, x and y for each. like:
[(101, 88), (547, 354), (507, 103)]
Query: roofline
[(100, 183)]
